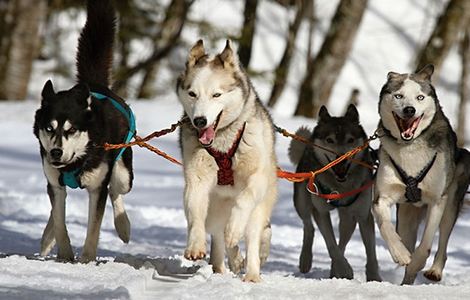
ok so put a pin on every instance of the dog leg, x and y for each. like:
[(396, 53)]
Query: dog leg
[(48, 240), (418, 259), (243, 209), (196, 202), (304, 207), (235, 260), (217, 253), (366, 227), (265, 244), (254, 231), (120, 184), (445, 228), (96, 205), (408, 219), (57, 195), (340, 267), (398, 251), (347, 225)]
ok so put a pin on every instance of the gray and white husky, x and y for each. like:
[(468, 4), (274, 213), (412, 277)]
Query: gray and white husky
[(339, 134), (421, 169), (229, 162)]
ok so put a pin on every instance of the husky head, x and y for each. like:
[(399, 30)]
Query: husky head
[(212, 90), (339, 134), (61, 124), (408, 103)]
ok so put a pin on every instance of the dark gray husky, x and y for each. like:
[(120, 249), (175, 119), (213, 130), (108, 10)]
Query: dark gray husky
[(340, 134), (72, 127)]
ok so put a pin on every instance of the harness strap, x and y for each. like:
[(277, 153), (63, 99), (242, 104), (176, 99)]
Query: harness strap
[(333, 197), (224, 160), (69, 178), (412, 191)]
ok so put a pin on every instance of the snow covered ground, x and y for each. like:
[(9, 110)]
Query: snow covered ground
[(151, 265)]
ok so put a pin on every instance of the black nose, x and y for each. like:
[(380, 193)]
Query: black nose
[(409, 111), (200, 122), (56, 153)]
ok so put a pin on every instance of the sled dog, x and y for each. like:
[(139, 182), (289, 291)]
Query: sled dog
[(229, 162), (421, 169), (339, 134), (72, 126)]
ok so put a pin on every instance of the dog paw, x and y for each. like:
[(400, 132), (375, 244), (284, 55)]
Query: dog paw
[(218, 269), (84, 259), (433, 275), (255, 278), (123, 227), (341, 269), (195, 251), (400, 254), (305, 262), (65, 255), (373, 276), (236, 265), (233, 235)]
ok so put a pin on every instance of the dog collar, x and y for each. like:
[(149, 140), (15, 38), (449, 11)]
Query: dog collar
[(224, 160), (412, 191), (70, 178)]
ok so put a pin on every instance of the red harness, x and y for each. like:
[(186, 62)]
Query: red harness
[(224, 160)]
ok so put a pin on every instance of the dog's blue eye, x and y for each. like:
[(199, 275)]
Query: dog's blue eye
[(217, 95), (49, 129), (398, 96), (350, 141), (420, 97), (330, 141), (192, 94)]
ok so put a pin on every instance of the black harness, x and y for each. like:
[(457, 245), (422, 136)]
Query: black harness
[(412, 191)]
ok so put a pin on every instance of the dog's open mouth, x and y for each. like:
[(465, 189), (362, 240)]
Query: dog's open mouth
[(407, 127), (207, 135), (340, 170)]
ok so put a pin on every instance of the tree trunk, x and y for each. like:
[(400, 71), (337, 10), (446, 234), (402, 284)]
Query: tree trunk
[(445, 33), (165, 41), (282, 69), (248, 32), (324, 70), (464, 86), (19, 44)]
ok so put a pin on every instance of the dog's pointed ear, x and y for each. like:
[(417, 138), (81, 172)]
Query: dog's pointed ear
[(228, 57), (323, 114), (426, 72), (47, 91), (352, 114), (196, 52), (392, 75), (82, 92)]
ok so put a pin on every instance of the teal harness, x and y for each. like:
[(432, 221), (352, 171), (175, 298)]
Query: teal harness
[(70, 178)]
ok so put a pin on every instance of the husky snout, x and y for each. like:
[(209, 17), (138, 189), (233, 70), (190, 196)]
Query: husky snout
[(409, 112), (200, 122), (56, 154)]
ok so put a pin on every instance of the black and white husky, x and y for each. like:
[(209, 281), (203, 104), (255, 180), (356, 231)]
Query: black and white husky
[(421, 169), (72, 127)]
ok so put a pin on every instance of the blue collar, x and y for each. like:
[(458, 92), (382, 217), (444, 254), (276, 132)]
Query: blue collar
[(70, 178)]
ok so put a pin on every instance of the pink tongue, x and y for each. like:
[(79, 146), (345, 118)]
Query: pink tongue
[(206, 135), (411, 126)]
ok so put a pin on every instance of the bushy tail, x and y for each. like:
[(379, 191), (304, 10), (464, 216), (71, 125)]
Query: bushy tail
[(296, 148), (95, 45)]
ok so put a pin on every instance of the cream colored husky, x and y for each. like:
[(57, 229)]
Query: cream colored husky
[(229, 162)]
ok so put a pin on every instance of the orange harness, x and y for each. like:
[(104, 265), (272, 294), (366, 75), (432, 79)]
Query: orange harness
[(292, 177)]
